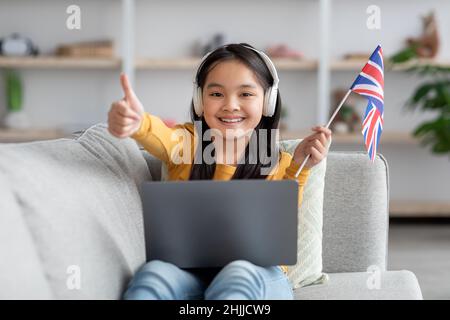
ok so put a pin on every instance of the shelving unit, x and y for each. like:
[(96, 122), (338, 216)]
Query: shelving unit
[(392, 138), (356, 65), (322, 67), (418, 209), (54, 62), (19, 135), (188, 63)]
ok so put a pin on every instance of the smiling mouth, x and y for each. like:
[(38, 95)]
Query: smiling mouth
[(231, 120)]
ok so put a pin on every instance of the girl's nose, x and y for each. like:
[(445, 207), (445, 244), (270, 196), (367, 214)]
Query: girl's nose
[(231, 105)]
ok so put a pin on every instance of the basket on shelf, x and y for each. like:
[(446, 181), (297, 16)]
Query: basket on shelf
[(89, 49)]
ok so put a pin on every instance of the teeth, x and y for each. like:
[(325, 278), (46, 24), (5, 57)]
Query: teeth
[(231, 120)]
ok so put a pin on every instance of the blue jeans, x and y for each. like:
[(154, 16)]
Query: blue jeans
[(239, 280)]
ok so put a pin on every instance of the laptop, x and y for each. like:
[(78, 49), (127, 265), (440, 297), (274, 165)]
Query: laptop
[(206, 223)]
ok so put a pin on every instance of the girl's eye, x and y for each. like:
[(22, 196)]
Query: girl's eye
[(247, 94), (215, 94)]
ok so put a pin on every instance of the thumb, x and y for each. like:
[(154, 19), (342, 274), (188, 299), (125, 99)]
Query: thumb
[(126, 87)]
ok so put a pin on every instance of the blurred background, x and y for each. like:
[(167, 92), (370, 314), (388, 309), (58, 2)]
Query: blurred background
[(60, 63)]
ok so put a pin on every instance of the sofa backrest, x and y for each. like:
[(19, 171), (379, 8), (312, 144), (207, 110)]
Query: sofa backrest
[(71, 207), (73, 217)]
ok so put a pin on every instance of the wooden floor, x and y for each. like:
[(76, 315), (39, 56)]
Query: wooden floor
[(423, 247)]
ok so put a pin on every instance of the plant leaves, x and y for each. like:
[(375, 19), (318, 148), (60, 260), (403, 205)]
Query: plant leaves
[(403, 55), (436, 133)]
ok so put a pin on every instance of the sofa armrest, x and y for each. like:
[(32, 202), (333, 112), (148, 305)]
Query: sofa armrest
[(356, 218)]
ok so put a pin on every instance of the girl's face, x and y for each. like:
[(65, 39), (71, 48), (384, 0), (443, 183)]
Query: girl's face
[(232, 99)]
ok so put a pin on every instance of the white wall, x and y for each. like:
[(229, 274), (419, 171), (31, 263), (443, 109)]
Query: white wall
[(77, 98), (399, 19)]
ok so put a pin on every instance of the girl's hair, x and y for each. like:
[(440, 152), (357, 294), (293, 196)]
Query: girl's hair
[(245, 169)]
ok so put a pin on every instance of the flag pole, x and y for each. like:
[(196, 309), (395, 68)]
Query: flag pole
[(328, 124)]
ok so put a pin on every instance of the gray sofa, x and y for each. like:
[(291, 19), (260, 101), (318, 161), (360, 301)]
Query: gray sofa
[(71, 221)]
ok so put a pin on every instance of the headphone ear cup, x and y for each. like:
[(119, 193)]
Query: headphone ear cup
[(194, 98), (197, 98), (270, 100), (273, 100)]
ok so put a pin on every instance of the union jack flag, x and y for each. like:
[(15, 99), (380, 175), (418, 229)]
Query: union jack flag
[(370, 83)]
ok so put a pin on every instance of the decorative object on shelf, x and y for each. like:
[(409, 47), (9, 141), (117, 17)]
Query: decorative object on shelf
[(218, 40), (425, 46), (357, 56), (284, 51), (347, 120), (16, 116), (16, 45), (100, 48), (433, 95)]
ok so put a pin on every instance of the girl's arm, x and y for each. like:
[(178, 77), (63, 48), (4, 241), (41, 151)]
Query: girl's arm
[(157, 138), (128, 119)]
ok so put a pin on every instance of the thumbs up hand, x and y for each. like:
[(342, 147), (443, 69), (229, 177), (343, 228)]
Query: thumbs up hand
[(125, 115)]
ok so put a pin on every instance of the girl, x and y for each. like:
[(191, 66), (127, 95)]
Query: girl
[(236, 96)]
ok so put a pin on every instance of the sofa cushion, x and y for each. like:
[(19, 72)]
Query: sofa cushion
[(308, 269), (80, 200)]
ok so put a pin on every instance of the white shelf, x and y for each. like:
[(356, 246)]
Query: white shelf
[(401, 138), (54, 62), (415, 209), (26, 135), (188, 63), (356, 65)]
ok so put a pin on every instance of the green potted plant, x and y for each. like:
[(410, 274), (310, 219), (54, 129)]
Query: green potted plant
[(431, 95), (15, 117)]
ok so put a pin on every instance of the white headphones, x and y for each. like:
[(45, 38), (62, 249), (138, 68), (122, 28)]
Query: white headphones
[(270, 96)]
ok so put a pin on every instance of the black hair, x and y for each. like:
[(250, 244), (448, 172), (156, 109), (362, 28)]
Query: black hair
[(245, 169)]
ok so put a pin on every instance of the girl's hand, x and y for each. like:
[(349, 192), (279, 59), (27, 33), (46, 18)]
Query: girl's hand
[(125, 116), (316, 145)]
